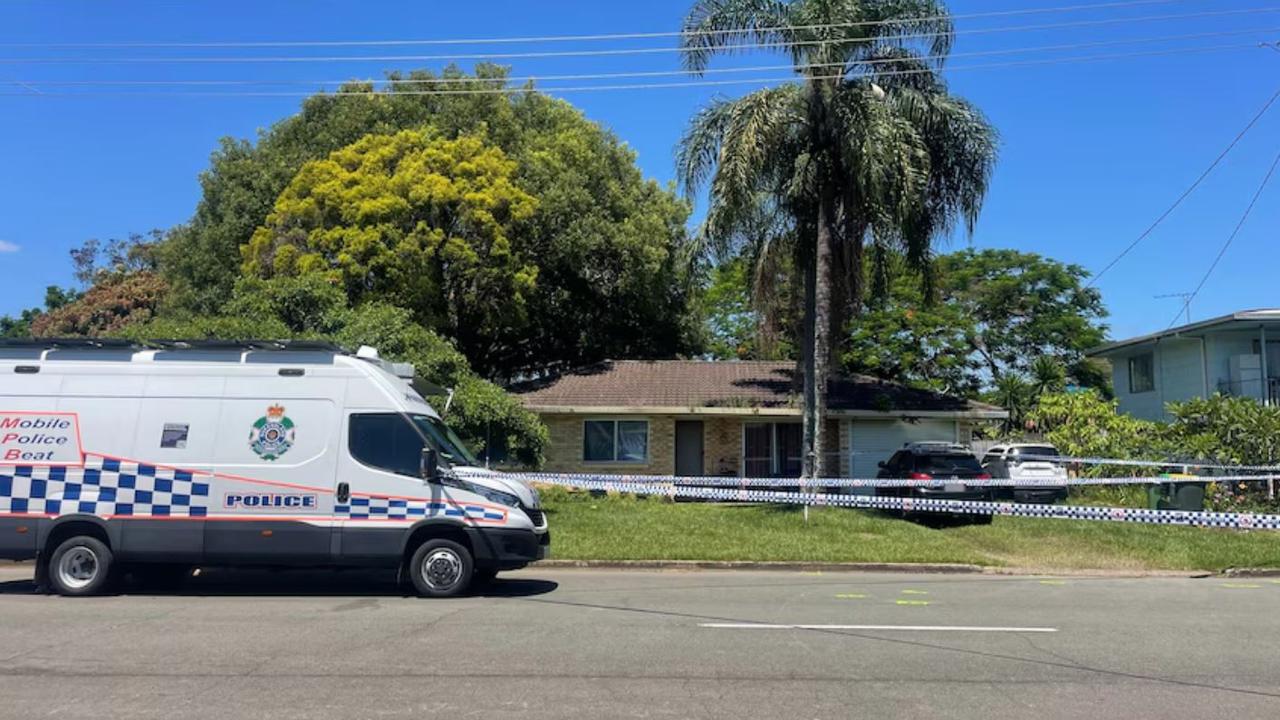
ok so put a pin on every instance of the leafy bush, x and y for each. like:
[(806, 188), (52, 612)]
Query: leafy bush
[(1215, 430)]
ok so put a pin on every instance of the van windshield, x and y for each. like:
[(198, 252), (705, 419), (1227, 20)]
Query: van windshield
[(445, 441)]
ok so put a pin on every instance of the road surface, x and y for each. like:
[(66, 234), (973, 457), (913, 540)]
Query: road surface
[(598, 644)]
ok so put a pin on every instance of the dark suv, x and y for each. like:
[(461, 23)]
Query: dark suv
[(936, 461)]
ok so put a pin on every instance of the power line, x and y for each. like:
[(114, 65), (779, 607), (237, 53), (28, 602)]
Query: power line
[(651, 73), (647, 86), (1187, 193), (1243, 218), (582, 38), (615, 51)]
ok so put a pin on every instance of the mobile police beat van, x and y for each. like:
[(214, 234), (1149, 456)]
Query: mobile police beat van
[(170, 455)]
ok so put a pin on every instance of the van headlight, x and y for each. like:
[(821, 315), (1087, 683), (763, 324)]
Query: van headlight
[(502, 498)]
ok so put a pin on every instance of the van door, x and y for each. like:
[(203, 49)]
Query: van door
[(378, 475)]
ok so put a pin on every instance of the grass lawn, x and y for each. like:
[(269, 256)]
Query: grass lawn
[(623, 527)]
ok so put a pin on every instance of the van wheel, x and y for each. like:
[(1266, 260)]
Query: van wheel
[(80, 566), (440, 568)]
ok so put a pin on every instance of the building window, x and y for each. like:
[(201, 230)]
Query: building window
[(615, 441), (1142, 376), (772, 449)]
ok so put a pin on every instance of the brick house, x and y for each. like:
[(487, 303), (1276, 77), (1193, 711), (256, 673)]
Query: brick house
[(690, 417)]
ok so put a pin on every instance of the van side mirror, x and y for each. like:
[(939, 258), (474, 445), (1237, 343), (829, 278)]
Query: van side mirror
[(882, 465), (430, 467)]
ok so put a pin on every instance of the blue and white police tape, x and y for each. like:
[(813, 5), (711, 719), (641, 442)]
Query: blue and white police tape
[(1078, 460), (743, 482), (1242, 521)]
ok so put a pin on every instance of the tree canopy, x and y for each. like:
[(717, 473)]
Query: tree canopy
[(998, 314), (428, 224), (610, 279)]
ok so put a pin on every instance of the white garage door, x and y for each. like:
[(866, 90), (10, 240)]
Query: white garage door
[(875, 440)]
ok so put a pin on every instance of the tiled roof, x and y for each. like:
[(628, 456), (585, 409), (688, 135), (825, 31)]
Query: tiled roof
[(728, 384)]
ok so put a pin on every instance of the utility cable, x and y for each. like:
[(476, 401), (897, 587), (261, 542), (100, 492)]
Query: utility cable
[(658, 73), (1187, 193), (507, 90), (579, 38), (602, 53), (1231, 238)]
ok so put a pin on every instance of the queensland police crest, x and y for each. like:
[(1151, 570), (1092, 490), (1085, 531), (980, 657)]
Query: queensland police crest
[(272, 435)]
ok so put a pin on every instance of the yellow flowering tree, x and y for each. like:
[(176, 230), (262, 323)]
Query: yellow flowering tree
[(422, 222)]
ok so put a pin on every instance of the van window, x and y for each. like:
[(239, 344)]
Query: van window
[(386, 441), (394, 442)]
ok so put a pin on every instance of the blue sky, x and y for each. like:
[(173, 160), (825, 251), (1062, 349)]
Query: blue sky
[(1091, 152)]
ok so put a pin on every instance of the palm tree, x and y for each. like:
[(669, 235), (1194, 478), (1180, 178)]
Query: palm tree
[(868, 151)]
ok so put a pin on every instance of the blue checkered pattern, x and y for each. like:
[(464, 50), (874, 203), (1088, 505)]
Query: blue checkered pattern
[(374, 508), (106, 488)]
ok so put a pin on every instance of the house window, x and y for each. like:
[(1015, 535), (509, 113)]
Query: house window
[(615, 441), (1142, 376), (772, 449)]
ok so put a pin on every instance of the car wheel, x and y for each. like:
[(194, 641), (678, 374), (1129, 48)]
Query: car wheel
[(440, 568), (80, 566)]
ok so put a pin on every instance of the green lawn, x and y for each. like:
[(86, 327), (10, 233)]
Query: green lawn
[(629, 528)]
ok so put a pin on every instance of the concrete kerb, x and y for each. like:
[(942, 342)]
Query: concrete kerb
[(920, 568), (829, 567)]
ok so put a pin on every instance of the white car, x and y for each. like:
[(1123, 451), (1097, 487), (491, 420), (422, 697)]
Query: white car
[(1027, 461)]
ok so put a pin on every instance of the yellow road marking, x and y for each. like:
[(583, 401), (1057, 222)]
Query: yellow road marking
[(1243, 586), (850, 596), (1053, 582), (915, 592), (913, 602)]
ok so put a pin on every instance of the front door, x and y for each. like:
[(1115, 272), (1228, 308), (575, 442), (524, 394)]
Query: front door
[(689, 448)]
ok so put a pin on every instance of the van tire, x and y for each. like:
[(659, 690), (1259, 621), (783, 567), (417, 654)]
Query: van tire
[(80, 566), (440, 568)]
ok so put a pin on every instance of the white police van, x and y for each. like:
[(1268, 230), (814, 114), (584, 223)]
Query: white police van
[(170, 455)]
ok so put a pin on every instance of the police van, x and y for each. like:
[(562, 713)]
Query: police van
[(164, 456)]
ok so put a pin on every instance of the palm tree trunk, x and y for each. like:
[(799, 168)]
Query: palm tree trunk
[(817, 341), (819, 369), (808, 360)]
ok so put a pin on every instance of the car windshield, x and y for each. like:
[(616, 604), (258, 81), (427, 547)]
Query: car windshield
[(951, 463), (443, 439)]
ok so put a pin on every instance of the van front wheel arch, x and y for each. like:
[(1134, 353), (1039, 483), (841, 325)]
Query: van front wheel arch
[(440, 567)]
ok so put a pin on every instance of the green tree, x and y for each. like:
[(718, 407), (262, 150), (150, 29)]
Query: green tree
[(1025, 306), (20, 327), (425, 223), (869, 149), (611, 280), (738, 328), (998, 313)]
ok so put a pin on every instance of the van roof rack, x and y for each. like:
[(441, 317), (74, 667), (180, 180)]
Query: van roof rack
[(118, 344)]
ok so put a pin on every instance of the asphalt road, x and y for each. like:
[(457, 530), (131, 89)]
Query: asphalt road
[(618, 644)]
